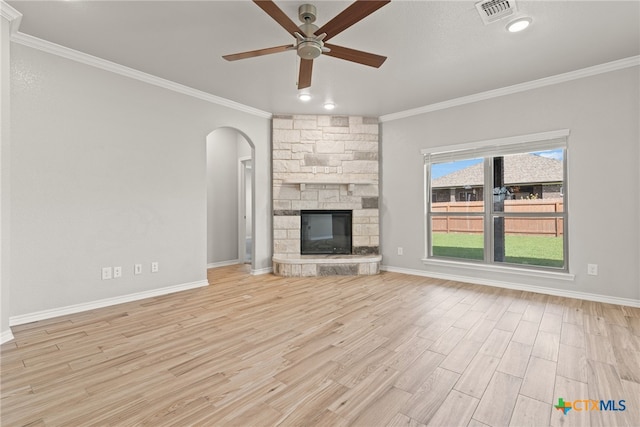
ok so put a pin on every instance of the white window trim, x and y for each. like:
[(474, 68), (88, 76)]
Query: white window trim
[(484, 148), (493, 268), (490, 146)]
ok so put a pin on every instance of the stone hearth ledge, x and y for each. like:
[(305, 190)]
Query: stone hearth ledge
[(326, 265)]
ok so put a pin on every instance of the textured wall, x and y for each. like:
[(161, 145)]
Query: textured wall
[(110, 171)]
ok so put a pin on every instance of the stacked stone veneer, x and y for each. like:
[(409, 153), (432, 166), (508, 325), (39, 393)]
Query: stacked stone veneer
[(344, 152)]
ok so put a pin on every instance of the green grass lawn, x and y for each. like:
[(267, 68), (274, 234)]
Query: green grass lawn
[(530, 250)]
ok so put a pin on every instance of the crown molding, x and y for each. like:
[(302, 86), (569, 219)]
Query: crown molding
[(10, 14), (632, 61), (15, 17), (94, 61)]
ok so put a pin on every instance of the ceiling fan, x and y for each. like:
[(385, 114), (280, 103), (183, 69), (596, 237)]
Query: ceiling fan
[(311, 40)]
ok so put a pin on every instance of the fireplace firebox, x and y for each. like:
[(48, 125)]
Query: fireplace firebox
[(325, 232)]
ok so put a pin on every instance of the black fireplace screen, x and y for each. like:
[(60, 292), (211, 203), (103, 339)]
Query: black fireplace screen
[(325, 232)]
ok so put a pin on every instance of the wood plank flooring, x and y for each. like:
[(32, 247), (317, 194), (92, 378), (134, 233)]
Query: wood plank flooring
[(386, 350)]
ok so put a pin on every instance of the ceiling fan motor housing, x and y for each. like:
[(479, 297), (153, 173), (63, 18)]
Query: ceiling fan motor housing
[(310, 47)]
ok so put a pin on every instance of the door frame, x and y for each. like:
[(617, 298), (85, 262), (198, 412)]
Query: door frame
[(244, 163)]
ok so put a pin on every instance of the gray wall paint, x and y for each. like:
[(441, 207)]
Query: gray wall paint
[(244, 149), (110, 171), (5, 88), (601, 112)]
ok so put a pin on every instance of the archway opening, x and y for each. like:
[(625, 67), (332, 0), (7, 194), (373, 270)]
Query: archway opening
[(230, 195)]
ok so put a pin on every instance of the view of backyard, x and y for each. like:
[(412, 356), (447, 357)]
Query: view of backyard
[(529, 250), (518, 198)]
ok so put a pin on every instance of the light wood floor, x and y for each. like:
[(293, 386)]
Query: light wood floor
[(387, 350)]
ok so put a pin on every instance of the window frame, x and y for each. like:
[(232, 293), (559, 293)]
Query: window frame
[(487, 150)]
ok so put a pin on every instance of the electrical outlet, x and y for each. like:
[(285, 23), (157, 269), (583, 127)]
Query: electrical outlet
[(400, 250), (154, 267), (326, 169), (137, 269), (107, 273), (117, 272), (592, 269), (314, 169)]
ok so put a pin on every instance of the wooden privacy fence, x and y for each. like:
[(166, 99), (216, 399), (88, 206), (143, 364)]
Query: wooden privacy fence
[(533, 226)]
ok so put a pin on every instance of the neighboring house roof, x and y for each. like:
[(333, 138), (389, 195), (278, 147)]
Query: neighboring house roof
[(518, 169)]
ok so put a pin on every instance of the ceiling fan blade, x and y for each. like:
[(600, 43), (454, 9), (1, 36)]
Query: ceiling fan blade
[(278, 15), (353, 55), (258, 52), (304, 78), (358, 10)]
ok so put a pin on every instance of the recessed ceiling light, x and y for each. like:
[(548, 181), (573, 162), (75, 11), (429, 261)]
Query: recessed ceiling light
[(518, 24), (304, 97), (329, 106)]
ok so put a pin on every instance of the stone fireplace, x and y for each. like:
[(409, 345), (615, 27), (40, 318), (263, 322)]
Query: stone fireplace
[(325, 164)]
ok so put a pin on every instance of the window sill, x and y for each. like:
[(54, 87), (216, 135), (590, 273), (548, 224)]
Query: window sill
[(500, 269)]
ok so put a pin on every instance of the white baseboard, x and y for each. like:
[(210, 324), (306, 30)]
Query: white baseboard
[(255, 272), (77, 308), (223, 263), (519, 287), (6, 336), (260, 271)]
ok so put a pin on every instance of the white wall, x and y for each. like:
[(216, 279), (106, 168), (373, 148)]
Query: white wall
[(603, 175), (110, 171), (5, 82)]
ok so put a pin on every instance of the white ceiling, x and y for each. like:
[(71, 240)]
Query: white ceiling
[(437, 50)]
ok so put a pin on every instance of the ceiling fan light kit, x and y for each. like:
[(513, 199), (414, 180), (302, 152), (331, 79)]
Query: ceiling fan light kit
[(310, 40), (310, 47)]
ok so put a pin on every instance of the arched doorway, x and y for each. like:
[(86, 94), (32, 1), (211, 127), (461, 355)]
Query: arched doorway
[(230, 195)]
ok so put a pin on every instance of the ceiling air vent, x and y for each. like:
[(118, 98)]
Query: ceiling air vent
[(494, 10)]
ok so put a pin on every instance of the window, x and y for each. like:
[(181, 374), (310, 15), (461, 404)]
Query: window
[(499, 202)]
